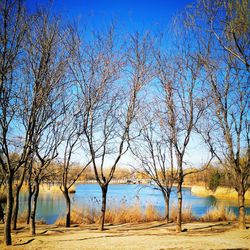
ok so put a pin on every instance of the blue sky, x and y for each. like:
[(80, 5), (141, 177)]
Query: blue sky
[(131, 15), (137, 15)]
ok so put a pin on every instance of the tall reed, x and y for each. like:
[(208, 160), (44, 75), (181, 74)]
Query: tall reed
[(219, 213), (187, 215), (117, 214)]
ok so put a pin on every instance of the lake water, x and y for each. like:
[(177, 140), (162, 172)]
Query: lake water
[(52, 205)]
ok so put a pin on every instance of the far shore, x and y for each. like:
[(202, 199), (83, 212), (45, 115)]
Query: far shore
[(220, 193), (198, 190)]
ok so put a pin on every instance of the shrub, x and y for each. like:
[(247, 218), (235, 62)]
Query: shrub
[(214, 180)]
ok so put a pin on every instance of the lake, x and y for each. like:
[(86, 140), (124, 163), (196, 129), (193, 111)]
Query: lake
[(51, 205)]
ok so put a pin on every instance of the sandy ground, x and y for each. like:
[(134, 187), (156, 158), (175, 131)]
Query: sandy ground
[(154, 235)]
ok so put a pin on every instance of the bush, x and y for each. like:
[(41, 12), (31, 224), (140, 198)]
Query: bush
[(214, 180)]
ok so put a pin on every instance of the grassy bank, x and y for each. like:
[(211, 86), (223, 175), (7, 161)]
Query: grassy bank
[(117, 214), (121, 214), (221, 192)]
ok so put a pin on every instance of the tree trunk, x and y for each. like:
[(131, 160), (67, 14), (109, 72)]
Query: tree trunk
[(15, 209), (166, 196), (179, 209), (16, 199), (104, 200), (30, 194), (67, 200), (241, 202), (33, 211), (7, 225)]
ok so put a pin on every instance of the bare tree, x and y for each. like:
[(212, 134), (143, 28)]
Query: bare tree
[(47, 144), (228, 23), (184, 105), (108, 108), (45, 67), (228, 133), (223, 50), (152, 150), (30, 190), (19, 179), (12, 31), (72, 140)]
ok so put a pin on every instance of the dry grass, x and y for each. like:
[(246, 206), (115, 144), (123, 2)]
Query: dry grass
[(118, 214), (85, 215), (122, 213), (221, 192), (3, 197), (41, 222), (45, 188), (248, 217), (187, 215), (125, 214), (219, 213), (152, 214), (22, 218)]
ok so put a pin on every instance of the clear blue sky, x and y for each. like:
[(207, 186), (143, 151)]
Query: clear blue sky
[(130, 14)]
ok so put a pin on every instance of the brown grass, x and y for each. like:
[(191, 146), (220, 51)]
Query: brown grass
[(219, 213), (125, 214), (248, 217), (221, 192), (122, 213), (3, 197), (118, 214), (187, 215), (49, 188), (22, 218)]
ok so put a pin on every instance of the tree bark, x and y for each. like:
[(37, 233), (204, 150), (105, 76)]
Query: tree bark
[(179, 210), (68, 205), (103, 210), (166, 196), (33, 211), (241, 201), (30, 194), (15, 209), (16, 200), (9, 205)]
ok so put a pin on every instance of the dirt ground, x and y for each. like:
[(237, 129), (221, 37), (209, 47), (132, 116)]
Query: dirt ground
[(154, 235)]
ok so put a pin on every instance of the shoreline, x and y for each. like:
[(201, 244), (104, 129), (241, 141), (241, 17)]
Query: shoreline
[(197, 190)]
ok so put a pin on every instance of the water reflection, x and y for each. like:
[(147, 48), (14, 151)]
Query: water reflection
[(51, 205)]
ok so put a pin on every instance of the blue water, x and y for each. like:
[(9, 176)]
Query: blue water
[(51, 205)]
